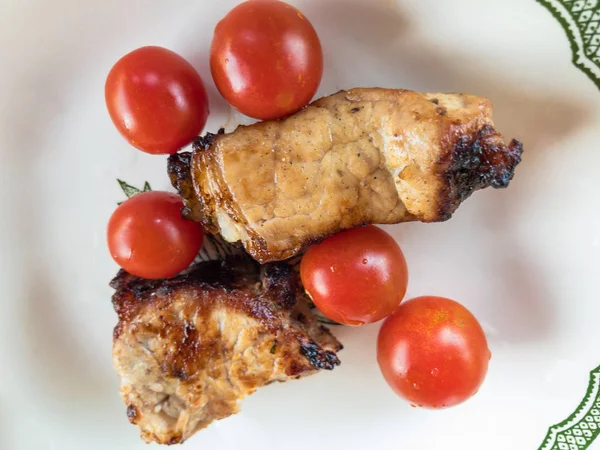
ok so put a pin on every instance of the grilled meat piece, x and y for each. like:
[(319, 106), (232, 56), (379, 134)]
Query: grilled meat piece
[(355, 157), (188, 348)]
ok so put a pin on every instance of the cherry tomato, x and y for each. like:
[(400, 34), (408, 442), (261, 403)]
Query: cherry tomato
[(148, 237), (433, 352), (266, 59), (355, 277), (156, 99)]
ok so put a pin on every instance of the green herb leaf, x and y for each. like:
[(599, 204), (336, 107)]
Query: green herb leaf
[(319, 315), (325, 320), (215, 247), (128, 189)]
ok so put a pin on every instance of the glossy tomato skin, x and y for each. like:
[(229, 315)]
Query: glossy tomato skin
[(266, 59), (357, 276), (156, 99), (433, 352), (148, 237)]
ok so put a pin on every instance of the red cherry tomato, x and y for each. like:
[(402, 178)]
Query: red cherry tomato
[(148, 237), (355, 277), (156, 99), (433, 352), (266, 59)]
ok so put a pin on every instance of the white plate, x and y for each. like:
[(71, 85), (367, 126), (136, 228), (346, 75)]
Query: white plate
[(526, 260)]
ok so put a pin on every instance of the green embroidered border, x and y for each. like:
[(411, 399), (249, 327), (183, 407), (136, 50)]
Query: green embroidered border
[(578, 60), (581, 428)]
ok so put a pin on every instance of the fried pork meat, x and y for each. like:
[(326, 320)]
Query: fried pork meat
[(359, 156), (189, 348)]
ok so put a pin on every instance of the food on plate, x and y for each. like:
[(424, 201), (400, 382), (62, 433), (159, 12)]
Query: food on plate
[(355, 277), (192, 341), (156, 99), (189, 348), (266, 59), (148, 237), (433, 352), (356, 157)]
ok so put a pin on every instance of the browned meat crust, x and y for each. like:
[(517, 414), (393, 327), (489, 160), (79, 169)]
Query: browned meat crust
[(355, 157), (188, 348)]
